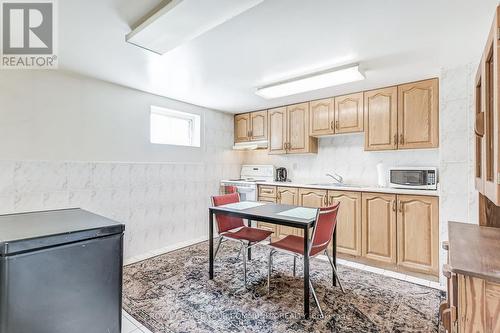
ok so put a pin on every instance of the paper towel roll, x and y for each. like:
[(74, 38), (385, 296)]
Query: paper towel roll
[(381, 175)]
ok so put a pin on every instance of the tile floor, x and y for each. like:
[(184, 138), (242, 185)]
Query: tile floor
[(130, 325)]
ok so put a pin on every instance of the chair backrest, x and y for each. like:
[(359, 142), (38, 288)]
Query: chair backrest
[(225, 222), (324, 228)]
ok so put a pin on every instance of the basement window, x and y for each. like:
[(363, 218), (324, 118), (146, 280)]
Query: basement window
[(171, 127)]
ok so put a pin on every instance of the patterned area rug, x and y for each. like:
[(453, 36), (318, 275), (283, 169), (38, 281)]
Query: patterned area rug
[(172, 293)]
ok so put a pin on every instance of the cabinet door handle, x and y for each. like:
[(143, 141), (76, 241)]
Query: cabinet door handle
[(331, 200), (331, 125), (401, 208), (393, 205), (401, 139), (325, 200), (278, 196), (395, 139), (337, 124)]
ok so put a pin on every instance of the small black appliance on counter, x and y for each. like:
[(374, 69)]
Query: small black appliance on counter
[(281, 175)]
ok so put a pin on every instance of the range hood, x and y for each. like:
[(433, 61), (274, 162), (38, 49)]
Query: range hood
[(251, 145)]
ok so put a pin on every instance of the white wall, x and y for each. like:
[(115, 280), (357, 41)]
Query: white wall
[(72, 141)]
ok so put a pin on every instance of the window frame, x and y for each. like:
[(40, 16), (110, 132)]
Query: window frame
[(194, 123)]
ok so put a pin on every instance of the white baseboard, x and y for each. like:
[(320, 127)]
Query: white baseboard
[(164, 250)]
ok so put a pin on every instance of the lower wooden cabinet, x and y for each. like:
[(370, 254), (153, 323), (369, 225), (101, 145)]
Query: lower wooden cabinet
[(379, 227), (478, 305), (418, 233), (392, 229), (348, 221), (312, 198)]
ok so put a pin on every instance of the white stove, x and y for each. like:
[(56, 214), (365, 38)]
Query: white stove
[(249, 176)]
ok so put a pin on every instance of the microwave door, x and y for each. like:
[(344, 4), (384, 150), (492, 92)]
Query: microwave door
[(408, 177)]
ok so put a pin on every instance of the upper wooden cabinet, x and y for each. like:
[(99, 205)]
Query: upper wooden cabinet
[(289, 130), (342, 114), (418, 233), (349, 113), (277, 120), (250, 126), (379, 227), (322, 117), (402, 117), (242, 127), (487, 118), (381, 119), (418, 115)]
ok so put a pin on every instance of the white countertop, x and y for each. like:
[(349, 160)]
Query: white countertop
[(360, 188)]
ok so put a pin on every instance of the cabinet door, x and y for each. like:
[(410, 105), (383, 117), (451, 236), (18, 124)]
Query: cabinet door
[(379, 227), (349, 113), (299, 140), (418, 115), (277, 123), (348, 221), (418, 235), (312, 198), (322, 119), (258, 123), (287, 196), (241, 127), (381, 119)]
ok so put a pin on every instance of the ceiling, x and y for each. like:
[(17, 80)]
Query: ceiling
[(393, 40)]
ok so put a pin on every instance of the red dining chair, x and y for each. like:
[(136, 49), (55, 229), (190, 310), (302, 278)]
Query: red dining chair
[(232, 228), (326, 221)]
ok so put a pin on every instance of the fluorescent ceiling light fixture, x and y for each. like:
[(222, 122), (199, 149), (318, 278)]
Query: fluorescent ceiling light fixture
[(180, 21), (323, 79)]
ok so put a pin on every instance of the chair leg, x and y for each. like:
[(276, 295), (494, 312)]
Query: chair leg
[(239, 252), (217, 248), (269, 271), (244, 266), (294, 265), (316, 299), (335, 271)]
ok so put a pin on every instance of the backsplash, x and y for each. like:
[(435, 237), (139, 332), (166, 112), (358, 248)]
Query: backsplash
[(345, 155)]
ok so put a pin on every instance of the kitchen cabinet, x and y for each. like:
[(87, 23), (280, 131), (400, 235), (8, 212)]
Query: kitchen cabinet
[(258, 126), (267, 191), (381, 119), (487, 120), (322, 117), (379, 227), (418, 233), (313, 198), (264, 225), (287, 196), (289, 130), (349, 113), (277, 121), (348, 221), (250, 126), (242, 127), (418, 115), (402, 117)]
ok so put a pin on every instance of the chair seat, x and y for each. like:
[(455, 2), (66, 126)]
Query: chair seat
[(252, 235), (294, 244)]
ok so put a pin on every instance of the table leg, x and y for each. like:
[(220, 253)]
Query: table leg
[(249, 249), (211, 245), (306, 272), (334, 255)]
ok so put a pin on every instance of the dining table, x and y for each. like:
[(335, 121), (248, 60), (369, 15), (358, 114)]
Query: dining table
[(274, 213)]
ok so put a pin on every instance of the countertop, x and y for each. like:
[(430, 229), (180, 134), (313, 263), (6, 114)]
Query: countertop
[(474, 250), (360, 188)]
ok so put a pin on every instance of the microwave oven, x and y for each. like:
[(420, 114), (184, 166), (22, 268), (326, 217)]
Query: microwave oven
[(417, 178)]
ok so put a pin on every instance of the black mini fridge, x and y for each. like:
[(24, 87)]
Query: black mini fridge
[(60, 272)]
